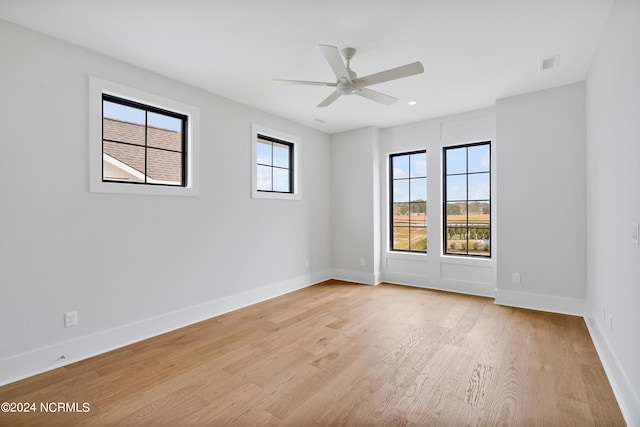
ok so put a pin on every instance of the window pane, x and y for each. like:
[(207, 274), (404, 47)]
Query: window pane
[(280, 155), (479, 228), (116, 130), (418, 214), (401, 190), (128, 158), (400, 167), (281, 180), (113, 171), (418, 189), (456, 160), (479, 186), (479, 159), (456, 229), (401, 214), (166, 139), (418, 239), (264, 178), (162, 121), (123, 113), (419, 165), (165, 166), (401, 238), (264, 153), (457, 187)]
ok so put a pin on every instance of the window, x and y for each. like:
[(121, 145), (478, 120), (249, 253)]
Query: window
[(467, 204), (408, 186), (142, 144), (274, 164)]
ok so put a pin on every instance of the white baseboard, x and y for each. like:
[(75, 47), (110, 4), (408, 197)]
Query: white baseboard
[(628, 400), (551, 303), (20, 366), (356, 276), (459, 286)]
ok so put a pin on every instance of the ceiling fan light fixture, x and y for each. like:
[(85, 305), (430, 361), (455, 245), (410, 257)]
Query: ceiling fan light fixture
[(346, 88)]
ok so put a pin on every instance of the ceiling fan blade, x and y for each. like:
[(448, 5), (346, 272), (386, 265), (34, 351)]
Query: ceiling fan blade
[(392, 74), (332, 54), (329, 99), (303, 82), (375, 96)]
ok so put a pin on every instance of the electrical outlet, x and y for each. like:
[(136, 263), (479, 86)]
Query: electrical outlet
[(516, 277), (70, 319), (361, 261), (306, 263)]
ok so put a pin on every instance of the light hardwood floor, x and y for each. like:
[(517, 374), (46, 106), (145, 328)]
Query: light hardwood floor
[(342, 354)]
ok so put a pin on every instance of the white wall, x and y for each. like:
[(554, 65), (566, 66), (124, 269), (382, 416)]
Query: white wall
[(433, 270), (355, 228), (613, 203), (541, 190), (133, 266)]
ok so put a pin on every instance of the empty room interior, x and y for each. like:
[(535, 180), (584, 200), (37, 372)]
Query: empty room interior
[(320, 213)]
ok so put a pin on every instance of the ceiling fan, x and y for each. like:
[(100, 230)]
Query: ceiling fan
[(348, 82)]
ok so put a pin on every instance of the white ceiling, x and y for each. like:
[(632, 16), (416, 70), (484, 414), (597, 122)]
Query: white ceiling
[(473, 51)]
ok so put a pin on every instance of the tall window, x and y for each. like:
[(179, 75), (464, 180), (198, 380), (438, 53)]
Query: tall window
[(274, 165), (467, 205), (408, 174), (142, 144)]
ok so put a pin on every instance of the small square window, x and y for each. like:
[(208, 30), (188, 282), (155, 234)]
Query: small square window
[(274, 165), (275, 172)]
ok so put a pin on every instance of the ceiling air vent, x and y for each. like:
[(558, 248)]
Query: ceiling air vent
[(550, 62)]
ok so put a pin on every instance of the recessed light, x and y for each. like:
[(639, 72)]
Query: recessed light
[(412, 102)]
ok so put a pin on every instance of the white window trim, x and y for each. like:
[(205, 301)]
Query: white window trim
[(99, 86), (297, 182)]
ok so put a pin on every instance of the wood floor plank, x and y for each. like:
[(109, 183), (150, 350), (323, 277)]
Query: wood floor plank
[(541, 404), (600, 397), (339, 353), (505, 403), (574, 413)]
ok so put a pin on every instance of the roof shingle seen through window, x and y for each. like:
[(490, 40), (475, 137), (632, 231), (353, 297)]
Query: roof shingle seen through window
[(162, 165)]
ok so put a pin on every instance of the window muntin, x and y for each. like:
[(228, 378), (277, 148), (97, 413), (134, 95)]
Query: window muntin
[(467, 194), (408, 185), (274, 165), (142, 144)]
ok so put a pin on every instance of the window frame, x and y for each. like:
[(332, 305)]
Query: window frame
[(258, 133), (391, 203), (290, 169), (98, 87), (467, 201), (150, 109)]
